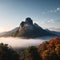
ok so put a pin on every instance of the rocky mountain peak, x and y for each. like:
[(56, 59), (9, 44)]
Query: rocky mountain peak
[(28, 20), (22, 24)]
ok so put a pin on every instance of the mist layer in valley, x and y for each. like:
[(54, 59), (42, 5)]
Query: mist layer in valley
[(21, 43)]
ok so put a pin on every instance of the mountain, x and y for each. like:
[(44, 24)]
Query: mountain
[(28, 29), (9, 33), (56, 33)]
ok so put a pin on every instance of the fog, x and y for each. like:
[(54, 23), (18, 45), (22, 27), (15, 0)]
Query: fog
[(19, 42)]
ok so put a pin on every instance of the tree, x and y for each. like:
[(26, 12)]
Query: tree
[(31, 53), (50, 50), (7, 53)]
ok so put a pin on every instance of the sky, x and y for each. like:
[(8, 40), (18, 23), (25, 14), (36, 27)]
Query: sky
[(45, 13)]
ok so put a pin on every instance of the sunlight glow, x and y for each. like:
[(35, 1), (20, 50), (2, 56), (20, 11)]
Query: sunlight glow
[(5, 28)]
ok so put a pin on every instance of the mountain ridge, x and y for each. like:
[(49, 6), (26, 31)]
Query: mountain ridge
[(28, 29)]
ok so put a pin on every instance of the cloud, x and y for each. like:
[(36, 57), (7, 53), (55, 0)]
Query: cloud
[(58, 9), (54, 10), (50, 21)]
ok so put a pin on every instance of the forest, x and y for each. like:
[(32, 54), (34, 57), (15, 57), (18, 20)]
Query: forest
[(48, 50)]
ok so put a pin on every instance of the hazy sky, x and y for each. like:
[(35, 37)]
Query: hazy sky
[(44, 12)]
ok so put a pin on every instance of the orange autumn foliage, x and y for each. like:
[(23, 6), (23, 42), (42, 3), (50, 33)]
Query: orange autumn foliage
[(50, 50)]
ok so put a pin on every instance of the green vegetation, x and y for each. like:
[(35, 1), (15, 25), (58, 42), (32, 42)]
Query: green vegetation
[(45, 51), (7, 53)]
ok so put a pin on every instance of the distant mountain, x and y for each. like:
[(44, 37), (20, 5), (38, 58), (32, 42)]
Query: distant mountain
[(28, 29), (9, 33), (56, 33)]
